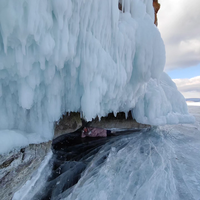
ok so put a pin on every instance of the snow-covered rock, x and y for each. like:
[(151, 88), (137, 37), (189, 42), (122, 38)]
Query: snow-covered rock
[(17, 166)]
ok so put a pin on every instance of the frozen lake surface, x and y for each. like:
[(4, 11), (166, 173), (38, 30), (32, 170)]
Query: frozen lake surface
[(158, 164)]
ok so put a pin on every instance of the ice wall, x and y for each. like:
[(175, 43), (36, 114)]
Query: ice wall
[(76, 55), (162, 104)]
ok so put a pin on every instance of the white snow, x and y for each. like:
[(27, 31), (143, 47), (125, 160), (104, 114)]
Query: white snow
[(86, 56), (190, 103), (15, 139)]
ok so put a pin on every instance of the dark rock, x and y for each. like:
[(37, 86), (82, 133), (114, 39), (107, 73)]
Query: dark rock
[(120, 6), (72, 122), (156, 6), (120, 121), (68, 123)]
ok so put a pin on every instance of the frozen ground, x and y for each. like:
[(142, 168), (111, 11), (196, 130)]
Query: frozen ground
[(160, 164)]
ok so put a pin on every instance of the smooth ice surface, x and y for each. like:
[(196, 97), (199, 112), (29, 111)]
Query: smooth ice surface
[(86, 56), (159, 164)]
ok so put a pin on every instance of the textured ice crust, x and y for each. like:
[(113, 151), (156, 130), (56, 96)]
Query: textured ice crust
[(27, 189), (87, 56), (162, 104), (162, 163)]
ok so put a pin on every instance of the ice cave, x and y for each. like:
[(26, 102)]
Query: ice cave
[(86, 56)]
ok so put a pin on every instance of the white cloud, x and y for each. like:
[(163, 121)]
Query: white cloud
[(178, 22), (190, 88)]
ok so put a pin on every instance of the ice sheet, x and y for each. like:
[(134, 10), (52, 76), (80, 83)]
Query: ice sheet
[(159, 164)]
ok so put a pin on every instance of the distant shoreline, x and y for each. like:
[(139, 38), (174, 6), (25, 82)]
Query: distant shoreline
[(191, 103)]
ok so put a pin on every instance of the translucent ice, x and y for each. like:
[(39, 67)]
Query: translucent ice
[(158, 164)]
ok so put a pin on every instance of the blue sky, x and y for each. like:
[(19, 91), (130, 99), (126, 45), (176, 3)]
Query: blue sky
[(188, 72), (178, 23)]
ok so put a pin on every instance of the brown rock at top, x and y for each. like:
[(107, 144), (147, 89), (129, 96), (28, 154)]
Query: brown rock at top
[(120, 6), (68, 123), (119, 121), (156, 6)]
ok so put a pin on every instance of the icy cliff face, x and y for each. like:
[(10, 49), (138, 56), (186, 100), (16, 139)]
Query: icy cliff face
[(87, 56)]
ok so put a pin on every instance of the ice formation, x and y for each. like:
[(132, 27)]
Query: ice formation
[(161, 163), (86, 56)]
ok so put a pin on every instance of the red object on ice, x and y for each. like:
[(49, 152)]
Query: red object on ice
[(94, 132)]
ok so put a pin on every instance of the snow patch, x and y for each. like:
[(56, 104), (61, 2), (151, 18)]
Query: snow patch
[(15, 139)]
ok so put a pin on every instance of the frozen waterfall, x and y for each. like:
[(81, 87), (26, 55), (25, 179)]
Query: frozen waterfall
[(86, 56)]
